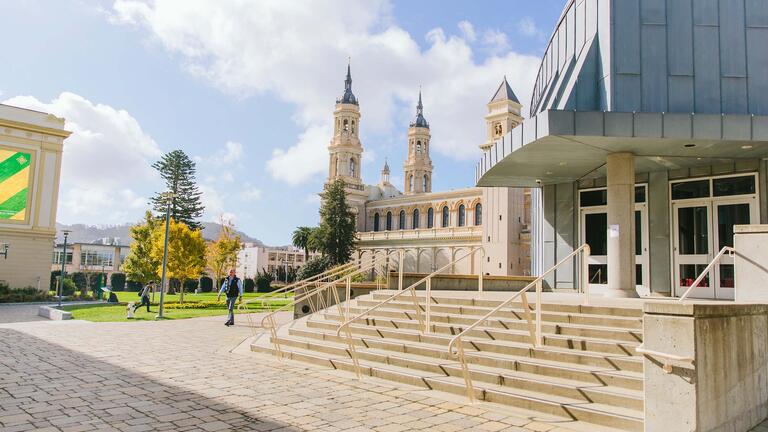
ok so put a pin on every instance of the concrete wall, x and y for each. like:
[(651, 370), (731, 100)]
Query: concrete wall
[(463, 282), (29, 260), (560, 232), (659, 233), (726, 386), (751, 263), (505, 251)]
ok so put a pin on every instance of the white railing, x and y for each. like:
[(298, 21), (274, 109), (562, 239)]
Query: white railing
[(726, 249), (423, 324), (667, 366), (534, 329), (422, 233)]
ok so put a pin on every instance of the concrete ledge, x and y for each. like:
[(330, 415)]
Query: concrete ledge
[(710, 309), (52, 313)]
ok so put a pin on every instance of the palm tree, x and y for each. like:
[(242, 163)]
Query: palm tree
[(301, 239)]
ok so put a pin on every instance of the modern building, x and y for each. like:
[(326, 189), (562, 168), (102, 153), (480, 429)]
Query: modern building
[(31, 144), (253, 258), (647, 140), (104, 257), (431, 229)]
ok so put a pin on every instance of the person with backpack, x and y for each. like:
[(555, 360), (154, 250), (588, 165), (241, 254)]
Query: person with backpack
[(233, 288), (144, 294)]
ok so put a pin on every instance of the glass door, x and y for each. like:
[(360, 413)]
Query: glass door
[(727, 214), (594, 232), (692, 247)]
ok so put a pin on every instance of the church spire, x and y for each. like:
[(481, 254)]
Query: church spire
[(348, 96), (420, 121)]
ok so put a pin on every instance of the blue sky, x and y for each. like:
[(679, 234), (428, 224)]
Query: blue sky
[(247, 88)]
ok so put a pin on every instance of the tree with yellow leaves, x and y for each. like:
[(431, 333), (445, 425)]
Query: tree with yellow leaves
[(222, 253), (186, 252)]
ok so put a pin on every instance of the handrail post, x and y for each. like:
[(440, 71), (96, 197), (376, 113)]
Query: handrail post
[(346, 297), (585, 273), (480, 277), (428, 300), (538, 314), (400, 269)]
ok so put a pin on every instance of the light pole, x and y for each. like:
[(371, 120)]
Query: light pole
[(168, 196), (63, 262)]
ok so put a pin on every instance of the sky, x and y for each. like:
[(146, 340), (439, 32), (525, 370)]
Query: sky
[(247, 89)]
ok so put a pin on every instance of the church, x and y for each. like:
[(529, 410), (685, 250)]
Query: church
[(431, 229)]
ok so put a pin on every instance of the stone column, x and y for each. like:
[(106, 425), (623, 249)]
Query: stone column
[(621, 221)]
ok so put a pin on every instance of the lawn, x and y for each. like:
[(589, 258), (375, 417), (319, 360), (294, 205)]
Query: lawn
[(104, 312)]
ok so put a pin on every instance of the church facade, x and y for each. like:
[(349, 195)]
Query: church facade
[(490, 226)]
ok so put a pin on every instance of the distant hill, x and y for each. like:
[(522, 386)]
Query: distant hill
[(82, 233)]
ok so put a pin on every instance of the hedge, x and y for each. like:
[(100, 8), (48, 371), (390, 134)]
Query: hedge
[(206, 284), (117, 281)]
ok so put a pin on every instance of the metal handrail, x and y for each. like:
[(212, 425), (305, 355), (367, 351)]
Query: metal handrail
[(667, 367), (412, 289), (268, 321), (304, 282), (731, 251), (535, 331)]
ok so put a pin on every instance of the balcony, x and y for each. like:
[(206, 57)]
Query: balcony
[(474, 231)]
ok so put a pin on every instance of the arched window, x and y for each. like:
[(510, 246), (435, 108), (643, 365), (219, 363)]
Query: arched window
[(376, 221), (389, 221), (415, 221), (352, 167), (424, 183), (353, 126), (462, 216), (410, 183), (430, 218), (418, 147), (478, 214), (346, 125), (402, 219), (445, 217)]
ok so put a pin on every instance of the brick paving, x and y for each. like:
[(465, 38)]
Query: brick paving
[(197, 375)]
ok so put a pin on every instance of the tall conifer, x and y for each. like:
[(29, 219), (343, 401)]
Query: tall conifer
[(178, 171)]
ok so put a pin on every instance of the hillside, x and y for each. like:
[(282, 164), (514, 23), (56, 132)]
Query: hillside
[(82, 233)]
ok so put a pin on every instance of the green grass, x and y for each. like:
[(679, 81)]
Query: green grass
[(104, 312)]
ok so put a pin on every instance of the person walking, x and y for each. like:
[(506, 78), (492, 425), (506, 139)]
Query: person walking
[(145, 296), (233, 288)]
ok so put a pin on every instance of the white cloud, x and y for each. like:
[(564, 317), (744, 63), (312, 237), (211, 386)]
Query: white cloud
[(467, 30), (296, 51), (231, 153), (106, 166), (249, 193), (527, 27)]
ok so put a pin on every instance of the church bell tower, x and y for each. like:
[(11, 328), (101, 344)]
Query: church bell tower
[(503, 114), (418, 165)]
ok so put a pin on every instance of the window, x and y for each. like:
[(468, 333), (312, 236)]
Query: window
[(691, 189), (57, 254), (593, 198), (401, 220), (336, 166), (445, 217), (478, 214), (346, 125), (418, 148), (462, 216), (415, 221), (376, 222), (424, 183), (352, 167), (96, 258), (353, 126), (389, 221), (410, 183), (430, 218)]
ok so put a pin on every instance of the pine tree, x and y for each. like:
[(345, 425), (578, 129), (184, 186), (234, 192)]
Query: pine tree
[(178, 171), (336, 233)]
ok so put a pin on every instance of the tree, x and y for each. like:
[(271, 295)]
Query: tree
[(336, 233), (178, 171), (186, 252), (302, 237), (222, 253), (140, 265)]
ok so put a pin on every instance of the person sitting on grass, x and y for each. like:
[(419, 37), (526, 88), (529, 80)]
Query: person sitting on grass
[(233, 288), (144, 294)]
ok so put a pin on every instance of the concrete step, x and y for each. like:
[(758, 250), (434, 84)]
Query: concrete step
[(514, 312), (532, 398), (581, 330), (445, 299), (437, 343), (568, 342)]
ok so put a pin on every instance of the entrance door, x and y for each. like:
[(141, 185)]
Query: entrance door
[(727, 214), (594, 223), (692, 246)]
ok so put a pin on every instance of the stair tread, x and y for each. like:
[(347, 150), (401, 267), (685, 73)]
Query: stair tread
[(500, 343)]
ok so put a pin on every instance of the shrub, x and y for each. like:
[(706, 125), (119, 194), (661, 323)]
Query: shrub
[(96, 281), (249, 285), (190, 285), (54, 277), (68, 288), (80, 279), (134, 286), (206, 284), (313, 267), (19, 295), (263, 281), (117, 281)]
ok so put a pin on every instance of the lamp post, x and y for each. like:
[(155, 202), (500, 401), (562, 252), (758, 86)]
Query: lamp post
[(168, 196), (63, 262)]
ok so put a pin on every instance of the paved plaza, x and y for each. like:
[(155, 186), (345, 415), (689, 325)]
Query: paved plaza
[(197, 375)]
